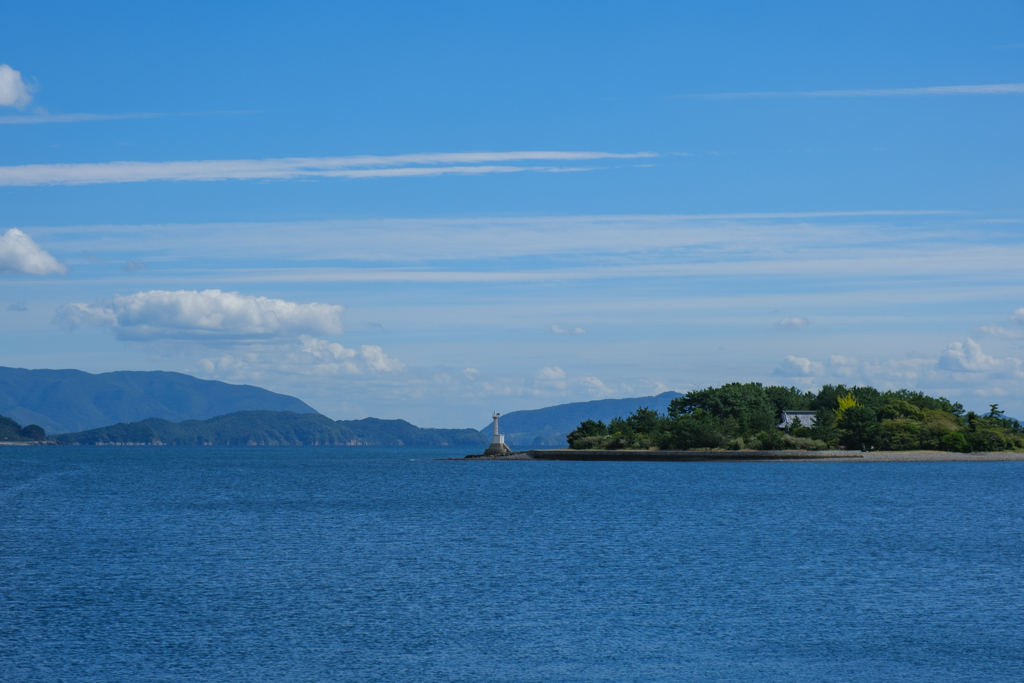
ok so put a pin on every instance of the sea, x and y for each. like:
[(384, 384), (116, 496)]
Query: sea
[(377, 564)]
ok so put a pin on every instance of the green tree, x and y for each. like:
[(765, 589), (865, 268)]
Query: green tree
[(644, 421), (859, 428), (747, 405), (788, 398), (586, 429), (695, 430)]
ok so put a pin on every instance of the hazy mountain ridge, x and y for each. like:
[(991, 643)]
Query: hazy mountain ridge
[(547, 427), (275, 428), (73, 400)]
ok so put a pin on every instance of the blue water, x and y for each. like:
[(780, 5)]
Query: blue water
[(346, 564)]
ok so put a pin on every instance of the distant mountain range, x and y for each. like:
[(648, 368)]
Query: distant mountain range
[(72, 400), (173, 408), (547, 427), (275, 428)]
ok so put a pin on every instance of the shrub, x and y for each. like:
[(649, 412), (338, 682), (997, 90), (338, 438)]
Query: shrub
[(798, 444), (954, 442), (587, 429), (901, 434), (697, 430), (772, 440), (986, 440)]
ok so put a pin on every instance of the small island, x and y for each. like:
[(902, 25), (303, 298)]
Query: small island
[(754, 422), (13, 434), (752, 417)]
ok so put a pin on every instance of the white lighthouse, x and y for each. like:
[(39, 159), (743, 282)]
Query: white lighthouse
[(497, 446)]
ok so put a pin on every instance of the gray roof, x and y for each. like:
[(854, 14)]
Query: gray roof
[(806, 418)]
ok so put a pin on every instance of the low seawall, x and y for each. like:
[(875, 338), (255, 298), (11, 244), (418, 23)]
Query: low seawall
[(753, 456), (687, 456)]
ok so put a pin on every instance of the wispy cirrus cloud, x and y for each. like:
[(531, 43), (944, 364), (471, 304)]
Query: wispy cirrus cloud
[(44, 117), (402, 165), (993, 89)]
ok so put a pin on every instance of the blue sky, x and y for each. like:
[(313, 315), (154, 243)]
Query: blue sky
[(433, 211)]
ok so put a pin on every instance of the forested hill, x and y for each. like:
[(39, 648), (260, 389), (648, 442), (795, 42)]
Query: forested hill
[(275, 428), (12, 431), (72, 400), (548, 426)]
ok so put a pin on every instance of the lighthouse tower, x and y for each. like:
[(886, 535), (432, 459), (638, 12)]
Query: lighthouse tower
[(497, 446)]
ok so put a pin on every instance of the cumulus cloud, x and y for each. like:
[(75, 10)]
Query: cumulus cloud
[(19, 307), (842, 366), (550, 374), (595, 386), (794, 366), (13, 91), (557, 329), (968, 357), (207, 314), (1018, 316), (547, 379), (403, 165), (1001, 332), (377, 360), (368, 357), (19, 254), (898, 373), (793, 322)]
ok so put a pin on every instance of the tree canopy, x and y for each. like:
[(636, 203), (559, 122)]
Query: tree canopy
[(745, 416)]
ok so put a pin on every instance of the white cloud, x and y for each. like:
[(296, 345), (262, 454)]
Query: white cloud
[(207, 314), (794, 366), (842, 366), (897, 373), (404, 165), (548, 379), (13, 91), (321, 347), (550, 374), (1018, 316), (1001, 332), (556, 329), (377, 360), (368, 357), (993, 89), (41, 116), (19, 254), (793, 322), (968, 357), (596, 387)]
